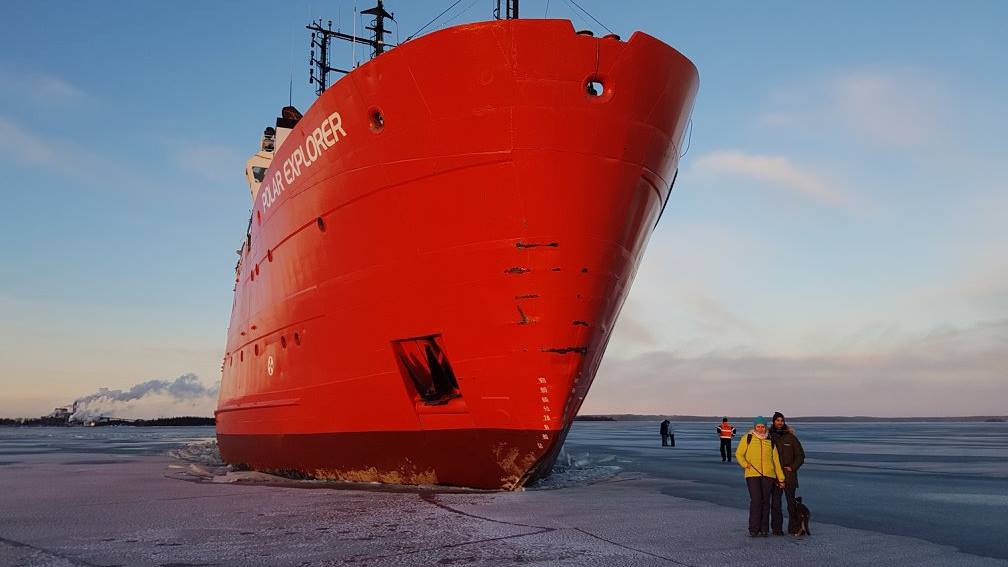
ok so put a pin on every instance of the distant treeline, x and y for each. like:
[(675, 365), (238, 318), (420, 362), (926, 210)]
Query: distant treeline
[(34, 421), (174, 421), (805, 419), (187, 421)]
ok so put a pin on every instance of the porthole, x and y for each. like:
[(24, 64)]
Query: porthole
[(257, 350), (297, 339), (594, 87), (321, 224), (269, 255), (257, 269), (241, 355), (283, 341)]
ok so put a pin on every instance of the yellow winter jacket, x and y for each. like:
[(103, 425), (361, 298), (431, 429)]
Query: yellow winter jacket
[(759, 458)]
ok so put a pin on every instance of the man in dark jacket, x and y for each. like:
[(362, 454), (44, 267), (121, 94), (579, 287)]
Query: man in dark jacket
[(664, 430), (792, 455)]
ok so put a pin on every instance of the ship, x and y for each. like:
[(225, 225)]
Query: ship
[(439, 249)]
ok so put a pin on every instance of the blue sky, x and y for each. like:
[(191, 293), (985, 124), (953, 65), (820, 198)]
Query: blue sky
[(836, 243)]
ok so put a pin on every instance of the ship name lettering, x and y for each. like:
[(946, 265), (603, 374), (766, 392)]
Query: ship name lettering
[(317, 141), (311, 146), (327, 131), (298, 156)]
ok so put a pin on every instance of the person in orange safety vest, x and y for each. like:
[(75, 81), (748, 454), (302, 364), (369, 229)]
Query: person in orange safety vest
[(725, 431)]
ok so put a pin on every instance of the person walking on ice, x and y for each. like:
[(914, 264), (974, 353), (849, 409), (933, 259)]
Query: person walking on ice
[(664, 430), (725, 431)]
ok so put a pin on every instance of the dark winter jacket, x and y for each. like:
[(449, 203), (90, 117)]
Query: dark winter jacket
[(664, 427), (791, 453)]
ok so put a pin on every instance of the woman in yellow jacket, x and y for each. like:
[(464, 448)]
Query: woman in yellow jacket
[(758, 456)]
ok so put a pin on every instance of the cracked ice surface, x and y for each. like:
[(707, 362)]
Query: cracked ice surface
[(75, 508)]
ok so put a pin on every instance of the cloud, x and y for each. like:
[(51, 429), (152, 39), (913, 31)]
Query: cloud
[(894, 108), (714, 317), (987, 287), (98, 344), (883, 108), (38, 89), (776, 170), (686, 290), (948, 370), (27, 148), (631, 332), (23, 147)]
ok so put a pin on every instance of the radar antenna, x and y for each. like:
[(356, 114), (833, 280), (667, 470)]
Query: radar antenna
[(318, 72)]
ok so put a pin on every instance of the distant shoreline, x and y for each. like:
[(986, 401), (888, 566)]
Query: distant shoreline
[(186, 421), (797, 419), (190, 421)]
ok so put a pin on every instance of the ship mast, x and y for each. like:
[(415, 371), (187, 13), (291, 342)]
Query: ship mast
[(511, 10), (321, 36)]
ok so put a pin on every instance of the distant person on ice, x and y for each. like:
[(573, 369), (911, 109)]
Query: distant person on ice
[(792, 455), (664, 430), (757, 455), (725, 431)]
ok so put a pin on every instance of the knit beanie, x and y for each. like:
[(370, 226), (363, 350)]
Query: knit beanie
[(776, 415), (759, 421)]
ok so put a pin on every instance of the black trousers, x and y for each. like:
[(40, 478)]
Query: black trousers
[(759, 503), (776, 514), (664, 439), (726, 449)]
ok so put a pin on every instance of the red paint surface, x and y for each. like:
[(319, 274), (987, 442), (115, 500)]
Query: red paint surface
[(500, 207)]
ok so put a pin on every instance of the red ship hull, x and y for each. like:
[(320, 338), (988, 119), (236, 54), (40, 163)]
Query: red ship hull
[(425, 297)]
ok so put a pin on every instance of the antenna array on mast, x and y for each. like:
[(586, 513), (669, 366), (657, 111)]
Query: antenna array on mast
[(511, 10), (318, 72)]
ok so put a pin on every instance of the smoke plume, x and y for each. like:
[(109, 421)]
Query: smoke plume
[(183, 396)]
